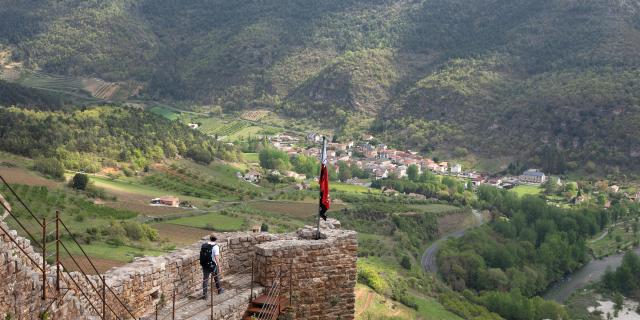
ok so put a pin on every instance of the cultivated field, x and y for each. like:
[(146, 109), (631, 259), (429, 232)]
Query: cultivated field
[(254, 115), (180, 235), (101, 264), (299, 210), (213, 221), (23, 176)]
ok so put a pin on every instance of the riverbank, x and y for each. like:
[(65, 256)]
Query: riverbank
[(589, 273)]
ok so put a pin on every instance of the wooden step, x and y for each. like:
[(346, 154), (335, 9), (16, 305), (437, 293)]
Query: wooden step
[(256, 310), (265, 299)]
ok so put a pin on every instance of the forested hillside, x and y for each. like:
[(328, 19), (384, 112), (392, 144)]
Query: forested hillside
[(89, 139), (517, 78)]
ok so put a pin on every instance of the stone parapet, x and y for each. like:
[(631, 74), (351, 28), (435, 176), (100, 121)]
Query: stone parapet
[(321, 274)]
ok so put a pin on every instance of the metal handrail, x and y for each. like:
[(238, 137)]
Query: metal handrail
[(272, 297), (80, 289), (88, 280), (94, 267), (8, 210), (19, 200), (43, 246), (19, 247), (173, 307)]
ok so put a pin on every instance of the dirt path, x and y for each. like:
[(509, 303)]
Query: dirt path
[(367, 304)]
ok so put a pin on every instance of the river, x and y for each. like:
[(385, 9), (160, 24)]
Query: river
[(560, 291), (591, 272)]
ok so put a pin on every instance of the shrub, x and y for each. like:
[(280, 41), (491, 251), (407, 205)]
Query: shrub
[(150, 233), (264, 227), (133, 230), (367, 275), (80, 181), (49, 166)]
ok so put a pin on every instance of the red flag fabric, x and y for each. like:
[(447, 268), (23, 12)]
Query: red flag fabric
[(324, 183)]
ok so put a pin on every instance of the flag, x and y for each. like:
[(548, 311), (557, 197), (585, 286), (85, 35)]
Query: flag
[(324, 182)]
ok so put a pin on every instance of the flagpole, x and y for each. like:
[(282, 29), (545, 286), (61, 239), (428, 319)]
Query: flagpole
[(320, 188)]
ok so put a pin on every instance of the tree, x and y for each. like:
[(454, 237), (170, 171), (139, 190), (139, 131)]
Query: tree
[(405, 262), (412, 172), (345, 171), (264, 227), (271, 158), (80, 181), (50, 166), (199, 154)]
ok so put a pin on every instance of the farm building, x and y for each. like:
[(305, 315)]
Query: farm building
[(167, 201)]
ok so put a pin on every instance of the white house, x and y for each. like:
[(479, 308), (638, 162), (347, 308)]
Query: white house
[(401, 171), (456, 168), (533, 176)]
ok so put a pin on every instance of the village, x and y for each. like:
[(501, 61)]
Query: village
[(381, 161)]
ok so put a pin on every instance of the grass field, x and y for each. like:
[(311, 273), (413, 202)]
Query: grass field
[(167, 113), (527, 189), (344, 187), (135, 187), (431, 309), (214, 221), (105, 251), (371, 305), (251, 157)]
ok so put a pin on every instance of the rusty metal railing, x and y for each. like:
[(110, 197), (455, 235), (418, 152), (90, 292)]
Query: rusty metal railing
[(211, 288), (42, 244)]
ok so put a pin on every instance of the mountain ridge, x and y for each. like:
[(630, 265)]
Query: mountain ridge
[(513, 77)]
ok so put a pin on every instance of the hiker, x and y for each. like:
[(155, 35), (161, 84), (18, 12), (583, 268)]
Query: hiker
[(210, 262)]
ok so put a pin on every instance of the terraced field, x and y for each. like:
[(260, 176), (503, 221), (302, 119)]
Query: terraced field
[(223, 185), (229, 129), (84, 88)]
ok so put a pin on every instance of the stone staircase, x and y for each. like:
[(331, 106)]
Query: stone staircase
[(235, 299)]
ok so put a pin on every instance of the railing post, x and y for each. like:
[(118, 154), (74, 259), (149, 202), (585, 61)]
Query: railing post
[(211, 292), (44, 259), (58, 250), (104, 299), (290, 281), (251, 295)]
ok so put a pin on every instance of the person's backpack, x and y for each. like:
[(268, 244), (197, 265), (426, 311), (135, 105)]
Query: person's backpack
[(206, 259)]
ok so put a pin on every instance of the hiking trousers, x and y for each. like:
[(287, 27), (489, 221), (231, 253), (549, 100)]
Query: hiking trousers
[(206, 272)]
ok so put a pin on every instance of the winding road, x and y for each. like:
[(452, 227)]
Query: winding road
[(428, 260)]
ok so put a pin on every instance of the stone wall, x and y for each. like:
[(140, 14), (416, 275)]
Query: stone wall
[(142, 283), (321, 274), (21, 289)]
